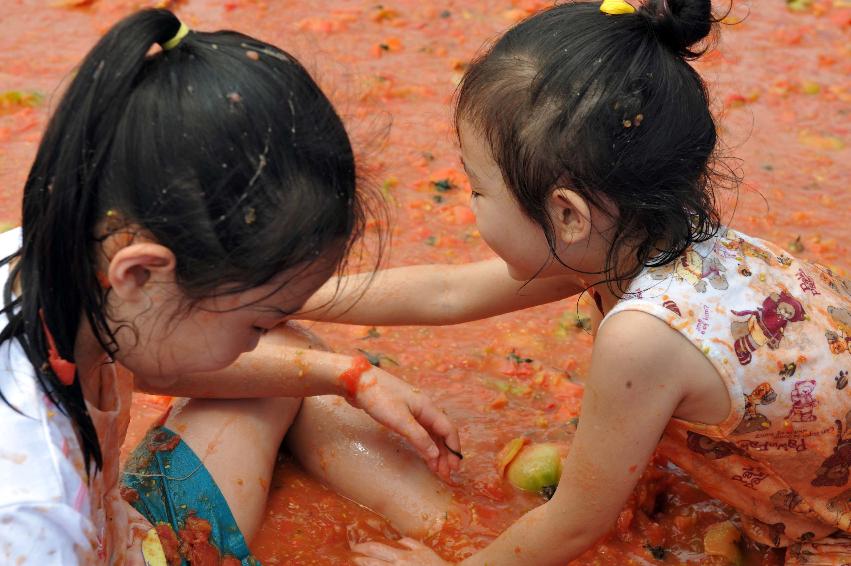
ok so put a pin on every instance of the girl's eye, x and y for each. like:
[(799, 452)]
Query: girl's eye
[(474, 194)]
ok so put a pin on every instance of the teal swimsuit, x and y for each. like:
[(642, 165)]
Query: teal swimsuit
[(167, 483)]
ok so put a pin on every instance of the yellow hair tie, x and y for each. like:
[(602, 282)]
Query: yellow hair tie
[(178, 37), (616, 7)]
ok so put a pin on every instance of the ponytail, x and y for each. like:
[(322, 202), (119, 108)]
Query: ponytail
[(192, 144), (55, 265)]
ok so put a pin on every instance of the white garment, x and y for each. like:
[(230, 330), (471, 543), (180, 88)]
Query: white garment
[(45, 508)]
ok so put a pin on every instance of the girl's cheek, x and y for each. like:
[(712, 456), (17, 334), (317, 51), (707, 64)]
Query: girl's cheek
[(495, 244), (482, 221)]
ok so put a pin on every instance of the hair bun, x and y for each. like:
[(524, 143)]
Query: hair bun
[(679, 24)]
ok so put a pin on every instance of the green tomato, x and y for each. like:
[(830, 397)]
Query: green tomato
[(536, 466)]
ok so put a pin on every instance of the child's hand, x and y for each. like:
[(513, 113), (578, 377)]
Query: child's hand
[(406, 411), (377, 554)]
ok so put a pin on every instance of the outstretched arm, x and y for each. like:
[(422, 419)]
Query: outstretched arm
[(275, 369), (432, 295), (629, 399)]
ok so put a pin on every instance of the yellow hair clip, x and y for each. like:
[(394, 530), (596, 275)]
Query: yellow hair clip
[(616, 7), (178, 37)]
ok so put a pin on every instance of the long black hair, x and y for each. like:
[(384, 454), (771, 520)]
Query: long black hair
[(609, 106), (223, 149)]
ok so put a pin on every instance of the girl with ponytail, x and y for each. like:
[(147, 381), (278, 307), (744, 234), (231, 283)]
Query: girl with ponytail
[(592, 155), (184, 202)]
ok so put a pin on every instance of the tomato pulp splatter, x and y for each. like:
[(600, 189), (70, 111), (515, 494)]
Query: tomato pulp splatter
[(781, 87), (351, 377)]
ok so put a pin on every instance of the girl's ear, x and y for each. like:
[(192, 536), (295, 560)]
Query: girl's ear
[(571, 215), (132, 267)]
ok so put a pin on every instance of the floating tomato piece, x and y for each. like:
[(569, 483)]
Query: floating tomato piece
[(509, 452), (722, 539), (536, 467)]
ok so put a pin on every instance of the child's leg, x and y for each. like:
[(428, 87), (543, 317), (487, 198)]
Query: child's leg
[(238, 442), (202, 477), (360, 459)]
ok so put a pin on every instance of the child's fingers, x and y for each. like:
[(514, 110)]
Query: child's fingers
[(453, 458), (432, 465), (442, 460), (443, 469), (438, 423), (420, 439), (410, 543), (447, 460), (399, 418), (376, 550), (457, 455), (361, 561)]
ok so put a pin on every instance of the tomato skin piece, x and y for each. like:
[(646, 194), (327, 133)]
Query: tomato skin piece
[(351, 377)]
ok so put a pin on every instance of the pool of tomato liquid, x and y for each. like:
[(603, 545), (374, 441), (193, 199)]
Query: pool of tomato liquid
[(780, 86)]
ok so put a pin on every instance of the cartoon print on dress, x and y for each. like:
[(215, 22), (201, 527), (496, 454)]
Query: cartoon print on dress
[(834, 281), (672, 306), (841, 505), (745, 249), (786, 499), (695, 270), (753, 420), (834, 470), (841, 379), (803, 402), (711, 448), (800, 553), (807, 283), (750, 476), (775, 531), (787, 370), (784, 260), (839, 340), (765, 325), (772, 531)]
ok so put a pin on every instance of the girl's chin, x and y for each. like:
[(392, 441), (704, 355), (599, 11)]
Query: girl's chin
[(520, 273), (252, 343), (166, 376)]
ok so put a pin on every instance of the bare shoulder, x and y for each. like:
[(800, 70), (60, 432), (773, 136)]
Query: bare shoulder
[(657, 356), (638, 339)]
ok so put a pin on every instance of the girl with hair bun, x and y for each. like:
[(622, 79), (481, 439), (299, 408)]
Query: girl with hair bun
[(592, 155)]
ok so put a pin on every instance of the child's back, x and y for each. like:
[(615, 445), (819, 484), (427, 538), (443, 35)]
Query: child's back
[(777, 330)]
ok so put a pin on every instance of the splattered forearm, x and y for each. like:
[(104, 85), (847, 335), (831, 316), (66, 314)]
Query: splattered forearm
[(272, 370), (350, 379)]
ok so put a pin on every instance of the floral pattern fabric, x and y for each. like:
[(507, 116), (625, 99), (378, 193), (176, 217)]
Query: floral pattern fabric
[(778, 331)]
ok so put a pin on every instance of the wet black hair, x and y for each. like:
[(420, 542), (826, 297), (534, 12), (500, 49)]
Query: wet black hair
[(608, 106), (223, 149)]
